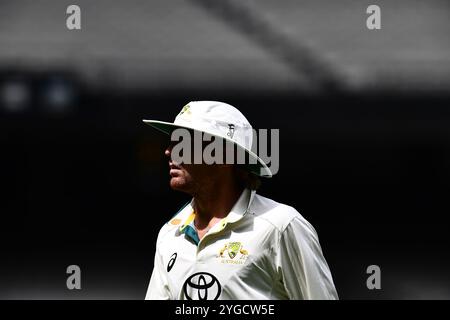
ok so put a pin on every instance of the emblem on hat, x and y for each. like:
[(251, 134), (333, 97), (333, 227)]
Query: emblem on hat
[(230, 130), (185, 109)]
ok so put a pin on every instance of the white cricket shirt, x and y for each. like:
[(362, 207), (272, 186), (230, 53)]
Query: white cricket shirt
[(262, 250)]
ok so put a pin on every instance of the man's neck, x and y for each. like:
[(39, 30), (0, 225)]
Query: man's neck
[(215, 203)]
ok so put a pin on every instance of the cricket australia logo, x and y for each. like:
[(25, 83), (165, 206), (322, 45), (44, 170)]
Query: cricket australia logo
[(234, 251)]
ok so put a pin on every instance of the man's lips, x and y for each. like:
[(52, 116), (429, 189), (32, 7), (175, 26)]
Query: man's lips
[(174, 170)]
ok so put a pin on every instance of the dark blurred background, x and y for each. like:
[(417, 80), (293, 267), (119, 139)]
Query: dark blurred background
[(363, 115)]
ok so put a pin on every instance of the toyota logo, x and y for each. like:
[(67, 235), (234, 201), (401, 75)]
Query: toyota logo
[(202, 286)]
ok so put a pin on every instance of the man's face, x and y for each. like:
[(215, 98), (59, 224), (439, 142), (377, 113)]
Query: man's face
[(190, 178)]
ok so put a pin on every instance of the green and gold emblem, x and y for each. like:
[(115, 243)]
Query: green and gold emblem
[(185, 109), (233, 248)]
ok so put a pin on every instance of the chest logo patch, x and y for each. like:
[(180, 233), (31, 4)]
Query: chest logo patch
[(233, 253)]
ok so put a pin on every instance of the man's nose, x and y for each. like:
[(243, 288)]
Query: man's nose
[(168, 151)]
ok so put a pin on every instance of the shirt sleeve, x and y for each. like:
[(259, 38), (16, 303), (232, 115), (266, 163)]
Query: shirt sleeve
[(158, 289), (304, 270)]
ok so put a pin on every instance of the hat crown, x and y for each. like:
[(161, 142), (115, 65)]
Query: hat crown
[(217, 118)]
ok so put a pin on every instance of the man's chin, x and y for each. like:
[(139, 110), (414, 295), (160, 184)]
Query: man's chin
[(178, 184)]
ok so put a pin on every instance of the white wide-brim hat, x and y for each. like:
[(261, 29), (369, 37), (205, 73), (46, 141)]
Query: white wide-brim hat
[(220, 120)]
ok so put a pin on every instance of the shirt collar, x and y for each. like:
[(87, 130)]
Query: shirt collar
[(236, 213), (241, 206)]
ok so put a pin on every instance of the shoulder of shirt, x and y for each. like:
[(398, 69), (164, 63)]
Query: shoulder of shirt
[(176, 221), (279, 215)]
